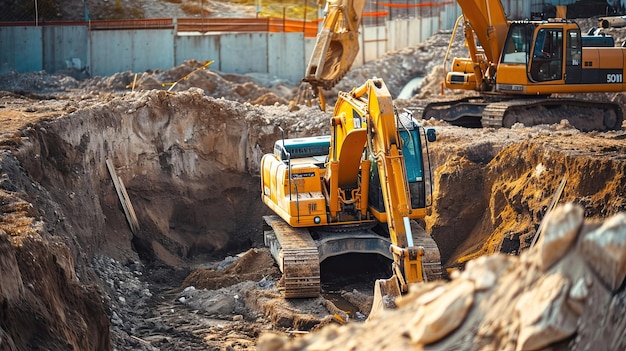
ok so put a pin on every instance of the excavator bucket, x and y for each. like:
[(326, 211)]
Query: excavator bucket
[(337, 44), (385, 293)]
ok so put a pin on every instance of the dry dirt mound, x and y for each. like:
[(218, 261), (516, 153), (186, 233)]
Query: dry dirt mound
[(254, 265), (257, 89), (565, 293), (514, 174)]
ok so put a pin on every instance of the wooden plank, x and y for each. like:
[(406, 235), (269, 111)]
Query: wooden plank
[(129, 206), (555, 200), (120, 196)]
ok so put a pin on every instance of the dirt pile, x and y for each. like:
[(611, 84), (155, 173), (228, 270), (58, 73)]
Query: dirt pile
[(567, 292), (514, 174), (256, 89), (254, 265)]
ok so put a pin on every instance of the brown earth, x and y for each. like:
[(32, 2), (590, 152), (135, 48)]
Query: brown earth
[(75, 276)]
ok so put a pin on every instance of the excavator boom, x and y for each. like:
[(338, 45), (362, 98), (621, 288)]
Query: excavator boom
[(488, 21), (386, 149)]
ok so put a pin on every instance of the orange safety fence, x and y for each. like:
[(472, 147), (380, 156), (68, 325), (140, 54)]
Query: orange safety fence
[(43, 23), (204, 25), (278, 25), (425, 4), (151, 23), (376, 14)]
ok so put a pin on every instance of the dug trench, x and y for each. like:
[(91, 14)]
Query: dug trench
[(74, 275)]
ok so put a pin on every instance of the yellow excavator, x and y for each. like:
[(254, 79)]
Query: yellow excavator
[(525, 71), (358, 190)]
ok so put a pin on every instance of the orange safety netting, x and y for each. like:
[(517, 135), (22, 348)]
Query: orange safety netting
[(277, 25), (376, 14), (425, 4)]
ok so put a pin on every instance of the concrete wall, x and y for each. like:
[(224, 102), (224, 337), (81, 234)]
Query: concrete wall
[(65, 47), (285, 53), (21, 49), (373, 44), (135, 50), (196, 47), (105, 52), (244, 53)]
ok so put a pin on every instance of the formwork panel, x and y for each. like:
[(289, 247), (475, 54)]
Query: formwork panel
[(429, 26), (115, 51), (413, 31), (65, 47), (448, 16), (21, 49), (398, 34), (243, 53), (196, 47), (373, 45), (308, 51), (286, 56)]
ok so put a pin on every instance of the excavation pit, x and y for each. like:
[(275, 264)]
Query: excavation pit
[(189, 163)]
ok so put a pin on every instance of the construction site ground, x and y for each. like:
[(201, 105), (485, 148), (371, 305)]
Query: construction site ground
[(194, 274)]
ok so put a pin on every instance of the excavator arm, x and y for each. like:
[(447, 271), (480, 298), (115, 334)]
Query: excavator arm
[(370, 107), (487, 20), (486, 29), (337, 44)]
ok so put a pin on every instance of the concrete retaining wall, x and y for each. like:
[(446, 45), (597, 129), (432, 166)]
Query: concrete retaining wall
[(53, 47), (101, 52), (65, 47), (131, 50), (21, 49)]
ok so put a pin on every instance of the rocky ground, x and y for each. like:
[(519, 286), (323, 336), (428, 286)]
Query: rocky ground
[(195, 275)]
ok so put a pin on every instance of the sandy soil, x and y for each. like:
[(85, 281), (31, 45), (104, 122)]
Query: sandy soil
[(196, 275)]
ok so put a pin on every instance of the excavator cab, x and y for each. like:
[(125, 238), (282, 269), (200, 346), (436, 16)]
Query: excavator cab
[(414, 148)]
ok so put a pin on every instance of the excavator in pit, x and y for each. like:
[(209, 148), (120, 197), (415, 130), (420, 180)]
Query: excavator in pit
[(523, 71), (358, 190)]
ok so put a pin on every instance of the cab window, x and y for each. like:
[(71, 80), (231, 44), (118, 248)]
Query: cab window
[(547, 61)]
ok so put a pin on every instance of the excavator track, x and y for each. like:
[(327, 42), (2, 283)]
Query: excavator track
[(495, 112), (296, 254), (465, 112), (584, 115)]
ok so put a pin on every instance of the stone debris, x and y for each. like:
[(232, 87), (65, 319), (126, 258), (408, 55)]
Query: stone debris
[(528, 308), (435, 320), (544, 316), (605, 250), (561, 227)]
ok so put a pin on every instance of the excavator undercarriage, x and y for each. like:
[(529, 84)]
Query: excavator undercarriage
[(300, 251), (496, 112)]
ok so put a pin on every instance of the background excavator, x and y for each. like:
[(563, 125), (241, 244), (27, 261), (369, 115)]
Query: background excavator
[(358, 190), (520, 68)]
